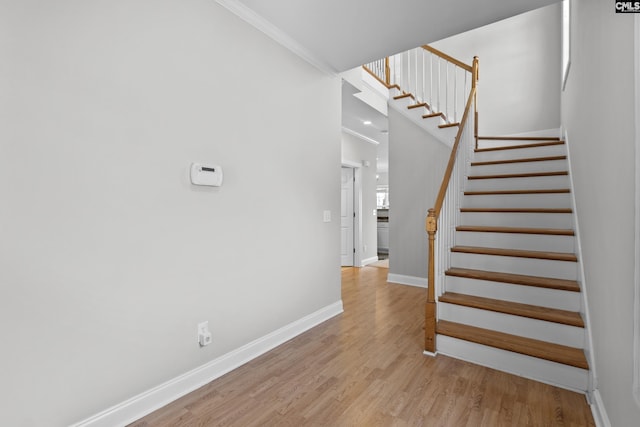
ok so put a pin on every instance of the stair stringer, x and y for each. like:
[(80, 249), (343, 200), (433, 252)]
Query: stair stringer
[(557, 374), (445, 135), (584, 311)]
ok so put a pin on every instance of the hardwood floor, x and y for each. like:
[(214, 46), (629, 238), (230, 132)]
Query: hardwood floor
[(366, 368)]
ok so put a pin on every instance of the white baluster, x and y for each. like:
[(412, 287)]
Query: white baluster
[(455, 93), (431, 82), (438, 86), (424, 72), (417, 93)]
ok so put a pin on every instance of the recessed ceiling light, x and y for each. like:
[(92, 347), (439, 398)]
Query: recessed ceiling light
[(367, 122)]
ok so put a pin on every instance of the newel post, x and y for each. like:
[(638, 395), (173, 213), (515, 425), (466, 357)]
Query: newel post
[(430, 313), (387, 71), (475, 74)]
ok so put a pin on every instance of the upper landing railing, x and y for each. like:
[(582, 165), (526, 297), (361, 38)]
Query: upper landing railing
[(432, 77), (447, 88)]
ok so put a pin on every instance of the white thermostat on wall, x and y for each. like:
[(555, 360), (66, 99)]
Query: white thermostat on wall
[(210, 175)]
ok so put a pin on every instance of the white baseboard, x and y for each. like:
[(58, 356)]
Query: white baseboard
[(401, 279), (157, 397), (597, 409), (369, 261)]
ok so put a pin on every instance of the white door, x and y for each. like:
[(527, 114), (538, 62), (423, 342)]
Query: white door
[(347, 215)]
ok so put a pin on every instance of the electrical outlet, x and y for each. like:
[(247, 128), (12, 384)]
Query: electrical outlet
[(204, 335)]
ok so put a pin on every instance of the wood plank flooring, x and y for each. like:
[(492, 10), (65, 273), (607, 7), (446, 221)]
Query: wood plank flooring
[(366, 368)]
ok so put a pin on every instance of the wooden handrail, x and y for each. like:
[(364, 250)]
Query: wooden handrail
[(452, 157), (387, 85), (383, 76), (432, 228), (434, 213), (451, 59)]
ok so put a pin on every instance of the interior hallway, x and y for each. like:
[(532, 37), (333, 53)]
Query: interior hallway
[(366, 368)]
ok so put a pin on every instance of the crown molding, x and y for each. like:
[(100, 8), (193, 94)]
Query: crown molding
[(359, 135), (260, 23)]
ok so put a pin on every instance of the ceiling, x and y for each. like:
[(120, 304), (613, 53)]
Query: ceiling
[(355, 117), (339, 35), (343, 34)]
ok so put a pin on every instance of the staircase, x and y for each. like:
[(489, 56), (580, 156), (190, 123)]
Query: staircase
[(510, 298), (502, 269)]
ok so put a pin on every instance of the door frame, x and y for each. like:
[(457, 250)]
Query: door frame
[(636, 303), (357, 208)]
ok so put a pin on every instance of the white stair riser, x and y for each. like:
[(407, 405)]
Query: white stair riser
[(556, 374), (543, 297), (531, 183), (402, 102), (556, 333), (494, 143), (553, 200), (525, 242), (517, 219), (520, 153), (522, 167), (506, 264)]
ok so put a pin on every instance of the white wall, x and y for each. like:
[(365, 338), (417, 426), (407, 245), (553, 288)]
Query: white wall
[(383, 178), (108, 255), (598, 114), (417, 162), (355, 150), (520, 78)]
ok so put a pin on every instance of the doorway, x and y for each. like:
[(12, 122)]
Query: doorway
[(347, 217)]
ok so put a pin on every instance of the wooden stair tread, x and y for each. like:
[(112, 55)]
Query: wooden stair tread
[(404, 95), (527, 346), (520, 175), (449, 125), (518, 253), (516, 147), (516, 279), (524, 160), (516, 230), (507, 192), (422, 104), (564, 317), (428, 116), (518, 210)]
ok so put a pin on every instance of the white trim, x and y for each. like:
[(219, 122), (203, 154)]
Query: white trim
[(420, 282), (588, 348), (257, 21), (430, 354), (636, 303), (157, 397), (369, 261), (597, 410), (357, 209), (351, 164), (566, 41), (359, 135)]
